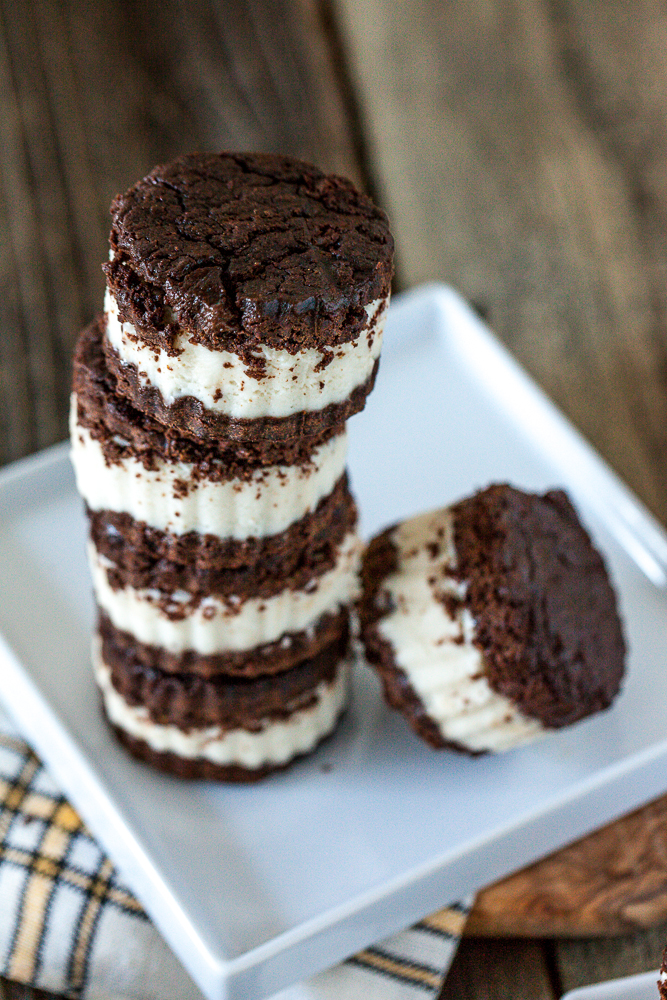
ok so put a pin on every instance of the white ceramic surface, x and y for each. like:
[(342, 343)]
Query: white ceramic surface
[(258, 887), (642, 987)]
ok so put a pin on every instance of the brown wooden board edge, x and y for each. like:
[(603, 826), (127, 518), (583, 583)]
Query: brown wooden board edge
[(612, 882)]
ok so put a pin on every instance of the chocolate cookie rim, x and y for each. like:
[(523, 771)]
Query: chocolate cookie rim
[(191, 702), (107, 414), (199, 768), (264, 660), (249, 350), (188, 416), (291, 559), (136, 547)]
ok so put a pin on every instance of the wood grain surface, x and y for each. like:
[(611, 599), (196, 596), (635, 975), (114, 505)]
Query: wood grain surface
[(612, 882), (94, 95), (508, 142), (519, 148)]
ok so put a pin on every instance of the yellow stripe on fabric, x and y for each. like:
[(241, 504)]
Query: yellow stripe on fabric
[(16, 791), (24, 955), (54, 843), (36, 863), (14, 743), (66, 818), (447, 921), (124, 900), (38, 806), (401, 970), (99, 889), (121, 898), (42, 872)]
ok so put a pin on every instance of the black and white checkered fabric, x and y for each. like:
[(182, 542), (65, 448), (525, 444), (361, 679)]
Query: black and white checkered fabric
[(68, 924)]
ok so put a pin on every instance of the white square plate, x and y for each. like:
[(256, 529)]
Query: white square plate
[(642, 987), (258, 887)]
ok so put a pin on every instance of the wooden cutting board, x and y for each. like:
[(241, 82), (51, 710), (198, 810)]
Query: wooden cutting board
[(612, 882)]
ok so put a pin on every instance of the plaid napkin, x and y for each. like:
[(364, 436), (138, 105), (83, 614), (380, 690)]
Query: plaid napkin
[(68, 924)]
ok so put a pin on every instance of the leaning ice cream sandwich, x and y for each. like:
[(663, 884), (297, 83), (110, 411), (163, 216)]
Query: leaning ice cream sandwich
[(492, 621)]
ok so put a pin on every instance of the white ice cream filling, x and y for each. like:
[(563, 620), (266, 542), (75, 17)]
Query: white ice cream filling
[(291, 383), (218, 626), (275, 742), (432, 642), (266, 504)]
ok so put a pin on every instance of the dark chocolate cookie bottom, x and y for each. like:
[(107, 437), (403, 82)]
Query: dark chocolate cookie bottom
[(261, 661), (189, 417), (186, 767), (199, 767), (310, 717)]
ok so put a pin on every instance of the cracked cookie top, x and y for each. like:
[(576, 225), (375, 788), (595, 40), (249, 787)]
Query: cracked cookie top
[(240, 249), (545, 611)]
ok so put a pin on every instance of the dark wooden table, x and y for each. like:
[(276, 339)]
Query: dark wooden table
[(519, 147)]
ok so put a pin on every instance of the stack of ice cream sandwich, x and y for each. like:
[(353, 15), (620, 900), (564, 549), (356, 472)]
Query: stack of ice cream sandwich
[(246, 296)]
